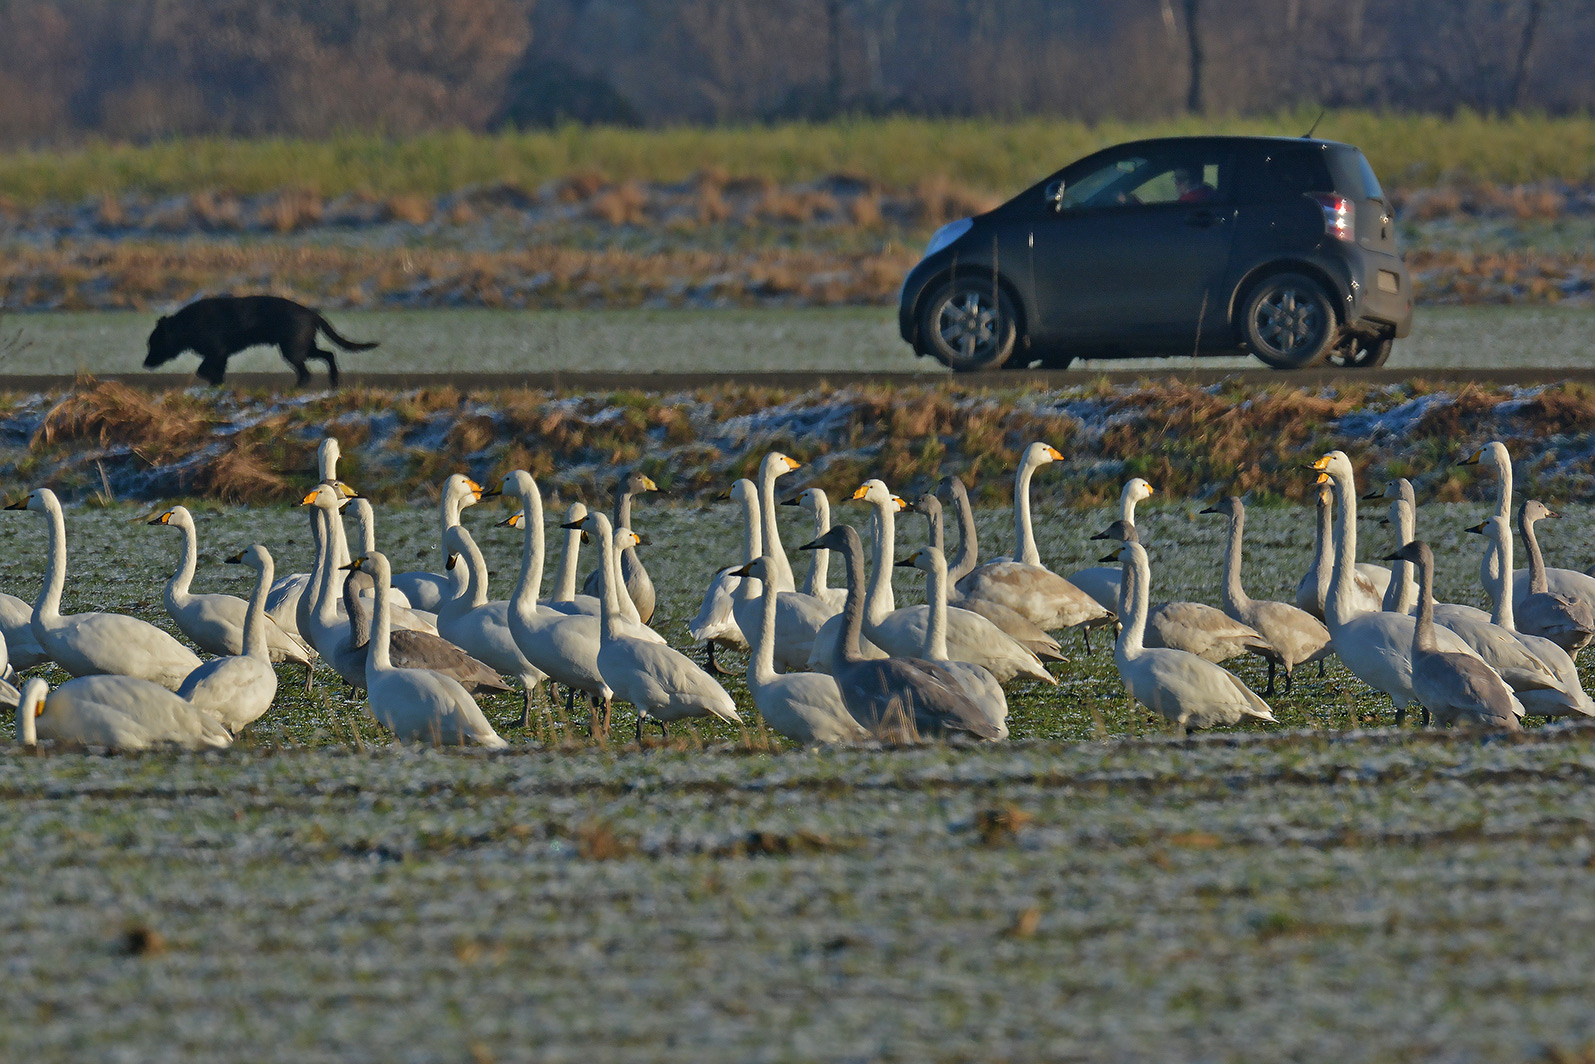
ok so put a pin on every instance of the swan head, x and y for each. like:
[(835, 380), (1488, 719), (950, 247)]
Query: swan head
[(29, 708), (1122, 531), (1137, 490), (1534, 510), (1493, 527), (635, 484), (177, 517), (1337, 466), (925, 559), (327, 456), (256, 557), (877, 493), (758, 568), (1039, 454), (1229, 506), (926, 503), (950, 489), (517, 482), (460, 490), (594, 524), (39, 500), (842, 538), (576, 512), (323, 497), (1131, 553), (376, 564), (776, 464), (1493, 454), (1417, 552)]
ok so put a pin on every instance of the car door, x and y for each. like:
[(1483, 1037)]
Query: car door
[(1125, 256)]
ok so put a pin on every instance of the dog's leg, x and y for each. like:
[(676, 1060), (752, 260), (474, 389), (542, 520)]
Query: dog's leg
[(330, 360), (212, 368)]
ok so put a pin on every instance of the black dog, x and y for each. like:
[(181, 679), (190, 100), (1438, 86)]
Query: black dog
[(218, 327)]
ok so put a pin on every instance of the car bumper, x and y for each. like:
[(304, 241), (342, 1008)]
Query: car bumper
[(1381, 293), (913, 290)]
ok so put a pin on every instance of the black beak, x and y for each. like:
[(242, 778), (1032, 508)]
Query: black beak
[(450, 564), (20, 504), (1470, 460), (794, 501), (812, 544), (1210, 510), (1102, 535), (350, 567), (1477, 529), (1109, 558), (1396, 557), (903, 563), (491, 493), (236, 559), (741, 570), (1372, 495), (574, 525)]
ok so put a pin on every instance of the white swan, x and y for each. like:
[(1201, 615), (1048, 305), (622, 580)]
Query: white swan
[(416, 704), (425, 590), (117, 712), (1369, 581), (16, 623), (640, 596), (238, 689), (323, 620), (976, 680), (1376, 646), (1570, 697), (799, 618), (283, 603), (481, 627), (803, 706), (904, 699), (1570, 584), (716, 622), (1296, 635), (216, 622), (818, 581), (1454, 688), (660, 682), (773, 466), (88, 644), (365, 519), (1188, 691), (900, 633), (1101, 582), (1022, 583)]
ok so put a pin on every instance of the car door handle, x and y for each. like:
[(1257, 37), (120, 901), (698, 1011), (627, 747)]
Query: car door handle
[(1204, 219)]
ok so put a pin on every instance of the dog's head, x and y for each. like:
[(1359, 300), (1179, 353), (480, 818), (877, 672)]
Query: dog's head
[(163, 345)]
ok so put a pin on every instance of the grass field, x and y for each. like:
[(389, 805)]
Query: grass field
[(1407, 150), (645, 341), (1086, 892)]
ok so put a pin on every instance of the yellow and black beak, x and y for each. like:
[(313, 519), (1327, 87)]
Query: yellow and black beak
[(354, 564), (235, 559), (648, 483), (20, 504), (1473, 459), (1320, 464), (1477, 529), (1324, 478), (1053, 453), (310, 498), (514, 520), (863, 490), (163, 519)]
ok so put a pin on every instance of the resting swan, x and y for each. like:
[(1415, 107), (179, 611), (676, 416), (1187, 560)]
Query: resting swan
[(238, 689), (1186, 690), (118, 712), (803, 706), (88, 644)]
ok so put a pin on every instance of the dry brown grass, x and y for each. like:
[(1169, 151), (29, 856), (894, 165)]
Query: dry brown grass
[(416, 210)]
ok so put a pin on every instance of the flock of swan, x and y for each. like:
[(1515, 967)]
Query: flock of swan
[(825, 665)]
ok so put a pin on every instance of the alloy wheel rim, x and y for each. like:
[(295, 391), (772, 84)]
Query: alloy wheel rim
[(967, 323), (1289, 323)]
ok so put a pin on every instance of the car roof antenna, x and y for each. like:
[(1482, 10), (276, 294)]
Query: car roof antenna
[(1308, 135)]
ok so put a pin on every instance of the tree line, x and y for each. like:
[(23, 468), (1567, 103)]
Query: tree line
[(140, 69)]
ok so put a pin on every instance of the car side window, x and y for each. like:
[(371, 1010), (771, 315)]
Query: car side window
[(1104, 186), (1184, 182), (1137, 181)]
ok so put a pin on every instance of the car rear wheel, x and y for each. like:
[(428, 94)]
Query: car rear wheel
[(1289, 321), (1361, 352), (968, 326)]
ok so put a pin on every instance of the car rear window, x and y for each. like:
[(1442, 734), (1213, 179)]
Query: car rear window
[(1353, 176), (1291, 172)]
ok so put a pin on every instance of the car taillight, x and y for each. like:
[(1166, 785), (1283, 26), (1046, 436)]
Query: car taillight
[(1340, 214)]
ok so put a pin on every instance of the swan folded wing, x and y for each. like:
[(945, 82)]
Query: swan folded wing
[(715, 619), (1101, 582), (126, 713), (970, 637), (662, 681), (99, 643), (1030, 635), (937, 706), (1502, 651), (418, 650), (1032, 591), (814, 705), (235, 690), (1192, 690), (1456, 687), (427, 706)]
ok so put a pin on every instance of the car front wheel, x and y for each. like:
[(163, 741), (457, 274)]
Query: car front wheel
[(1289, 321), (968, 326)]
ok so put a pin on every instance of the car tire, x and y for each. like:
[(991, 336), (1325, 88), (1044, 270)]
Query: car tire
[(1289, 321), (1361, 352), (963, 328)]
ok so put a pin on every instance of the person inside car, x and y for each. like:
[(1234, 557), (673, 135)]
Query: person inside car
[(1190, 186)]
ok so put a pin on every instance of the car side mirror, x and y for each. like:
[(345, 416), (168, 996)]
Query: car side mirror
[(1054, 195)]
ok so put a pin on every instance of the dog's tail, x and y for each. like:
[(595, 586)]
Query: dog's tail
[(342, 341)]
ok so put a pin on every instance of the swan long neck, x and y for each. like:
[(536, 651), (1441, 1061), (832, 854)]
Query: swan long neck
[(751, 534), (819, 577), (1501, 462), (524, 597), (1538, 583), (610, 597), (33, 693), (780, 569), (1024, 536), (254, 644), (761, 666), (1127, 505), (1338, 607), (177, 587), (622, 507), (48, 605), (325, 573), (968, 543), (881, 600), (368, 526), (476, 568), (1423, 638), (936, 597), (359, 620), (1133, 592), (1234, 595), (1323, 545), (849, 648), (623, 599), (1501, 541), (1402, 594), (569, 558), (382, 621)]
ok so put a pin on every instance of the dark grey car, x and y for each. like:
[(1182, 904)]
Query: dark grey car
[(1284, 247)]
